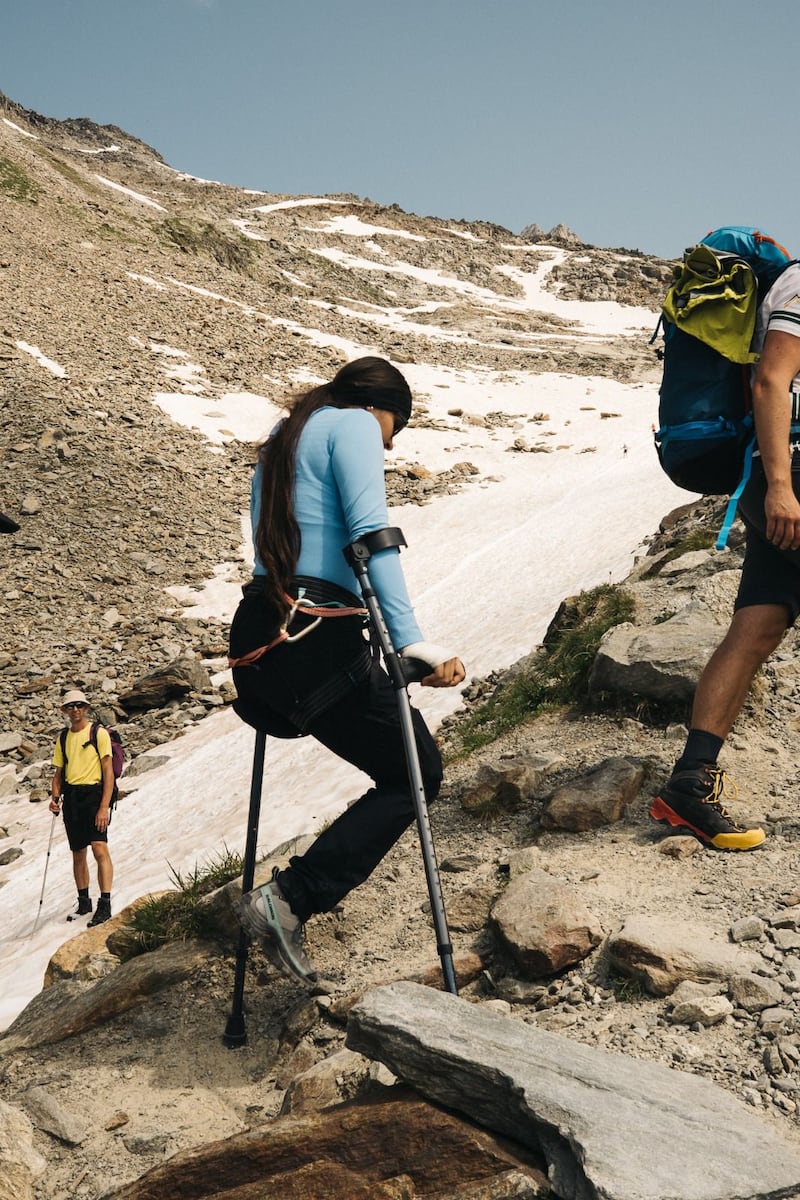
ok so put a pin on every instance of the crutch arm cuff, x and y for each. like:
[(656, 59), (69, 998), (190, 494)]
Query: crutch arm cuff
[(371, 543)]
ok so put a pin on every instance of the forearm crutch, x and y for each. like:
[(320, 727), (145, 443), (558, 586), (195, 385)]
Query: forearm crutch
[(236, 1030), (401, 674)]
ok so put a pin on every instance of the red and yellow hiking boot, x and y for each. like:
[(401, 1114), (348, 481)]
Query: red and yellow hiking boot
[(692, 800)]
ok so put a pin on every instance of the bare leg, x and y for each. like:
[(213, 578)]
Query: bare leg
[(754, 633), (105, 869), (80, 868)]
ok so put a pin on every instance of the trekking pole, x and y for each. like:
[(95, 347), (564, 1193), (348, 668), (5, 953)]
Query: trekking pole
[(44, 877), (236, 1031), (401, 674)]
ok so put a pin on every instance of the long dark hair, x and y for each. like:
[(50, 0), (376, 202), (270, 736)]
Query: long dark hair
[(277, 539)]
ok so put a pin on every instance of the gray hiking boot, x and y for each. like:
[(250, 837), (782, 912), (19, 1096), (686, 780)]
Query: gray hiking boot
[(266, 914)]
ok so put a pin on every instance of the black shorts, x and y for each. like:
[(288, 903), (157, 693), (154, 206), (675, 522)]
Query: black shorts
[(769, 575), (81, 802)]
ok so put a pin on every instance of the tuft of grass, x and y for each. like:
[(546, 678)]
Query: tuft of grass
[(72, 175), (203, 237), (560, 675), (698, 539), (15, 183), (177, 915), (626, 989)]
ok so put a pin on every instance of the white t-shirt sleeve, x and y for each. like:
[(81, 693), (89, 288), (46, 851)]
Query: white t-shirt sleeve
[(782, 303)]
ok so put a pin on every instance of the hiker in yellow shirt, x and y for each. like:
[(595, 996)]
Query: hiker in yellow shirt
[(83, 782)]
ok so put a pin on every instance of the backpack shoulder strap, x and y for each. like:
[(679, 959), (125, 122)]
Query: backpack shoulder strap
[(93, 739), (771, 274), (93, 728), (62, 737)]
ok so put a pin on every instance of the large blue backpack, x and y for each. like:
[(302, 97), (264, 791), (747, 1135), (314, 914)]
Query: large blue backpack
[(705, 438)]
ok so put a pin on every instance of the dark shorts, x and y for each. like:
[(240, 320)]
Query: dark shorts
[(80, 809), (769, 575)]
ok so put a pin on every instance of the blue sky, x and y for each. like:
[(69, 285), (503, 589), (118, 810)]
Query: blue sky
[(637, 123)]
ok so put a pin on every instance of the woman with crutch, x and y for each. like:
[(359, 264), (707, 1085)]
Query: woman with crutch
[(301, 662)]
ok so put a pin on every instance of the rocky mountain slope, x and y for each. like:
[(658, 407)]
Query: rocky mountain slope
[(110, 262), (116, 271)]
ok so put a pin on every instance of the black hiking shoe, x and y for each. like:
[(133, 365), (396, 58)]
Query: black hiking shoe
[(692, 799), (266, 915), (84, 907), (101, 913)]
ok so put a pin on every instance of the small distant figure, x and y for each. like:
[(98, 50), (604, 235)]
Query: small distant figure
[(83, 782), (624, 450)]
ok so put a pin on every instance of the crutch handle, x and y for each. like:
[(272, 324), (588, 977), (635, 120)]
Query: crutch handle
[(414, 669)]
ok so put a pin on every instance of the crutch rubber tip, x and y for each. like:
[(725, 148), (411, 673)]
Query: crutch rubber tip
[(235, 1034)]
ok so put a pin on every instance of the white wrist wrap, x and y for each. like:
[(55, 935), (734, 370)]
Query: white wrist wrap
[(427, 652)]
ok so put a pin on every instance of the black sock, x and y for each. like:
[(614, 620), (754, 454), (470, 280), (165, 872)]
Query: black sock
[(106, 896), (83, 892), (701, 749)]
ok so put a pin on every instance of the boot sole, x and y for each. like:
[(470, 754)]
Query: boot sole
[(747, 839)]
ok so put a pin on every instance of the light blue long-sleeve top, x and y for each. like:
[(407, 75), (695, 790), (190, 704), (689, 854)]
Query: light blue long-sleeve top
[(340, 495)]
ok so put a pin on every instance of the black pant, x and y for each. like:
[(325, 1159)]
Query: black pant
[(364, 729)]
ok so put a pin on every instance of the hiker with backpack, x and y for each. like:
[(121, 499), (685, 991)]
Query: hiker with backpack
[(84, 786), (768, 600), (318, 486)]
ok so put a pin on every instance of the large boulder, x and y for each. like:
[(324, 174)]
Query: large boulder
[(592, 1113), (94, 951), (393, 1149), (20, 1164), (68, 1006), (658, 662), (180, 677)]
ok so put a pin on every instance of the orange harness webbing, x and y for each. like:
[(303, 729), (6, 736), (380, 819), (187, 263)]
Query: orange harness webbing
[(311, 610)]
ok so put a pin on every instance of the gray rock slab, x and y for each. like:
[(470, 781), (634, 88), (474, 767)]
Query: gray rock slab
[(69, 1007), (755, 992), (20, 1164), (662, 662), (48, 1113), (705, 1010), (611, 1128), (662, 951), (747, 929)]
